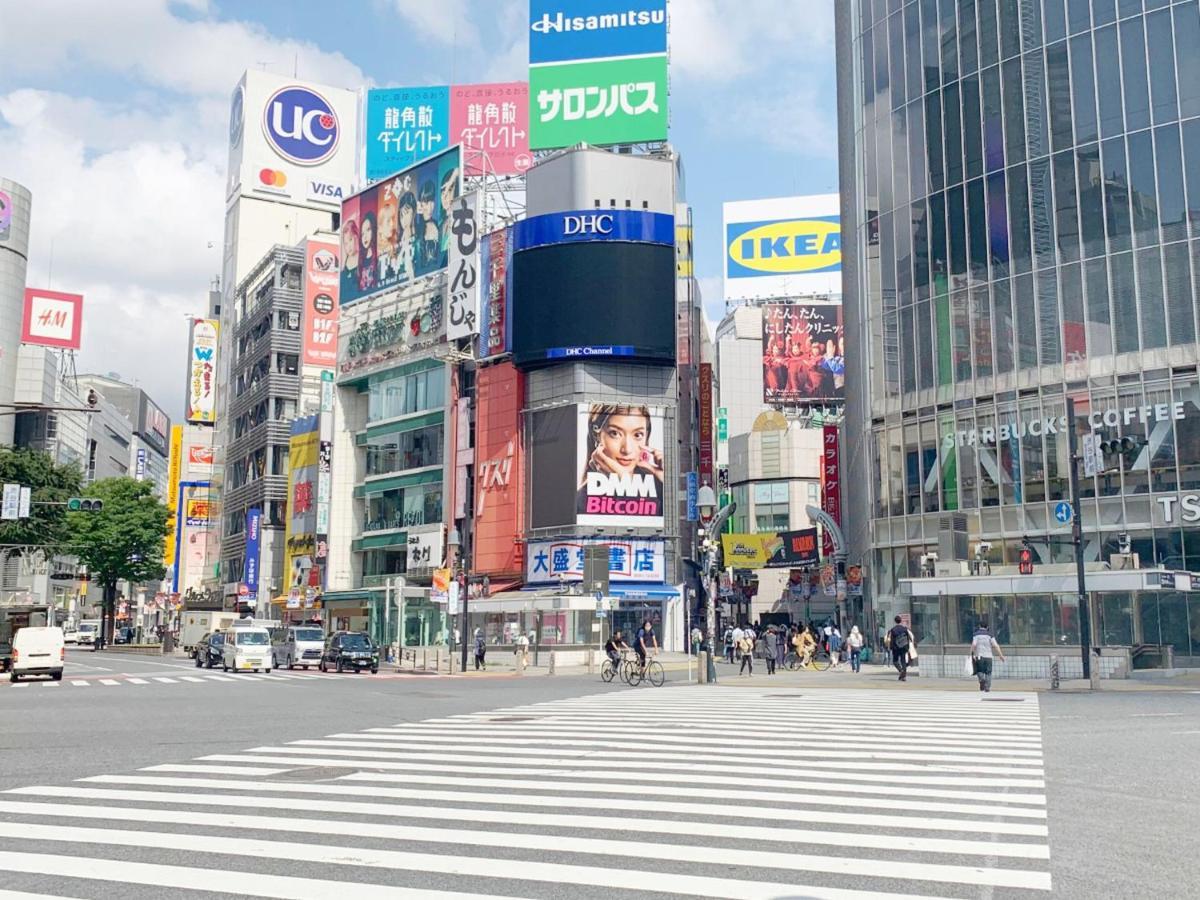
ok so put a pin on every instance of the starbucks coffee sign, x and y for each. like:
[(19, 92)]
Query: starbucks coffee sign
[(1106, 418)]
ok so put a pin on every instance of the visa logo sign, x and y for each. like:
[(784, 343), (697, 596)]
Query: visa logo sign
[(323, 191), (785, 247)]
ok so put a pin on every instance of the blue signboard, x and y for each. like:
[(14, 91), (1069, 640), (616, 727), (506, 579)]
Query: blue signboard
[(404, 126), (693, 497), (587, 225), (1063, 512), (588, 352), (253, 545), (300, 125), (566, 30)]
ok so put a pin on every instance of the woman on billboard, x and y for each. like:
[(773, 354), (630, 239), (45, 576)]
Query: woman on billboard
[(389, 236), (367, 260), (349, 258), (622, 474), (408, 234)]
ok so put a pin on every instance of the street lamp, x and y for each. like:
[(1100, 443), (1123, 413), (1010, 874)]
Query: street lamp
[(706, 503), (454, 541)]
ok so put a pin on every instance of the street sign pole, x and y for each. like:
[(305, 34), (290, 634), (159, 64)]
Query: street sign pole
[(1085, 618)]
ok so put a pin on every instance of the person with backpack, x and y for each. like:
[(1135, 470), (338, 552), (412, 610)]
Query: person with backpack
[(834, 646), (899, 640), (480, 650), (983, 650)]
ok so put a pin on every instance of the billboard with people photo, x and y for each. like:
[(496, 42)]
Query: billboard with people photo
[(399, 229), (621, 466), (804, 350)]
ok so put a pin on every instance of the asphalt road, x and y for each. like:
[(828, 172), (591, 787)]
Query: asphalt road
[(153, 786)]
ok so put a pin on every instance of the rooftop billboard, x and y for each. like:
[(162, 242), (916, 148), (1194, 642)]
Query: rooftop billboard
[(784, 247)]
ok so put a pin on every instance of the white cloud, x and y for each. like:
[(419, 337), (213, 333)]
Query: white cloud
[(446, 21)]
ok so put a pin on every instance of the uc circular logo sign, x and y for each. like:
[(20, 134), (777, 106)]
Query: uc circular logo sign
[(236, 117), (301, 126)]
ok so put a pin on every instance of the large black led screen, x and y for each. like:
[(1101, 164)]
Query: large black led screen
[(593, 300)]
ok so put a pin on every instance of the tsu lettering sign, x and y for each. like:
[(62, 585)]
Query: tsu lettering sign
[(320, 316), (621, 467), (404, 126), (803, 353), (201, 403), (612, 101), (462, 319), (549, 562), (783, 247), (52, 319), (491, 122)]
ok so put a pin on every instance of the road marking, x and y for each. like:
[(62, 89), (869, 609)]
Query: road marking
[(133, 680), (50, 684), (109, 681), (192, 678), (214, 770), (1154, 715), (81, 683), (163, 680)]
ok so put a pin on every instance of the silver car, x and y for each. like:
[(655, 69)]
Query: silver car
[(298, 645)]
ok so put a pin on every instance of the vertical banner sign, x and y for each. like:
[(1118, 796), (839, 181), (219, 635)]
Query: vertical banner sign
[(493, 313), (324, 474), (174, 470), (139, 470), (253, 548), (320, 317), (463, 272), (201, 403), (12, 502), (831, 483), (404, 126), (491, 121), (706, 423), (300, 523), (693, 497)]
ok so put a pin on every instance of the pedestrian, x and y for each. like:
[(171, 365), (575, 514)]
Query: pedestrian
[(781, 646), (983, 650), (697, 637), (771, 646), (746, 650), (480, 650), (735, 649), (855, 642), (834, 645), (522, 649), (900, 641), (727, 640)]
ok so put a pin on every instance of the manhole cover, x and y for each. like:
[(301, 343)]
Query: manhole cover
[(313, 773), (1003, 699), (514, 718), (781, 696)]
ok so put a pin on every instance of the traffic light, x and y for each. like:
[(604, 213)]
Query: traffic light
[(1127, 447), (1025, 566), (84, 504)]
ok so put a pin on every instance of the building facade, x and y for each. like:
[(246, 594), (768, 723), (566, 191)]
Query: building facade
[(16, 206), (150, 427), (1019, 186)]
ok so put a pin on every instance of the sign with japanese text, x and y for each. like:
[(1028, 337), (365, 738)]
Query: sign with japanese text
[(783, 247), (320, 316), (398, 230), (253, 548), (491, 122), (803, 353), (404, 126), (621, 466), (201, 402), (300, 525), (549, 562), (499, 469), (52, 319), (610, 101), (426, 548), (462, 274), (495, 329), (706, 423), (174, 471), (831, 482)]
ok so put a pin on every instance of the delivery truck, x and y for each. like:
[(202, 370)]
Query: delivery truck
[(195, 624)]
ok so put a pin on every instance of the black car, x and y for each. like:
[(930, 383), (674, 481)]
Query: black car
[(349, 650), (209, 650)]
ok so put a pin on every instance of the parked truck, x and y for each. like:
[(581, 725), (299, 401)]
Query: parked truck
[(13, 618), (194, 624)]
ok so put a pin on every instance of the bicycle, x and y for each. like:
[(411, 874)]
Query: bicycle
[(819, 659), (610, 670), (652, 671)]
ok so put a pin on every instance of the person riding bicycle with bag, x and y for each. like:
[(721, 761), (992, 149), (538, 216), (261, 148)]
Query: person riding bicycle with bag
[(641, 644), (615, 647)]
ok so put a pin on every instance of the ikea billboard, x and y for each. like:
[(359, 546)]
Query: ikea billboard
[(783, 247)]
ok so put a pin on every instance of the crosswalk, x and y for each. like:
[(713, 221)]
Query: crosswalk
[(125, 679), (686, 791)]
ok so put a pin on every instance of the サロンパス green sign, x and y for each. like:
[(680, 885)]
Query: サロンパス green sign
[(614, 101)]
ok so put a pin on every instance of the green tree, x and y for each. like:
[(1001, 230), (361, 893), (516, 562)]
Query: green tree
[(122, 542), (52, 484)]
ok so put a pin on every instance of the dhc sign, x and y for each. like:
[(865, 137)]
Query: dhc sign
[(634, 226), (784, 247)]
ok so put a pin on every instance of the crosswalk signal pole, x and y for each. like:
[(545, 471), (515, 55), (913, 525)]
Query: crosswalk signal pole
[(1085, 617), (706, 502)]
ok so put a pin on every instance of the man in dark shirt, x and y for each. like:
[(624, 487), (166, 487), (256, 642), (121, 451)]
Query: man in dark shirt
[(614, 646), (645, 639), (899, 641)]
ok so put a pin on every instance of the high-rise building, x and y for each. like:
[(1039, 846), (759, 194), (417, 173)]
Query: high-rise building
[(1020, 185), (149, 428), (15, 209)]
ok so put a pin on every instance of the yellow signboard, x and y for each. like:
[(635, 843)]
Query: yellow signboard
[(301, 521), (749, 551), (174, 466)]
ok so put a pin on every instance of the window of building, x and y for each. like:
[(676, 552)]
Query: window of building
[(287, 363), (403, 507), (1133, 70), (1187, 60), (405, 394), (408, 450), (771, 506), (1160, 52)]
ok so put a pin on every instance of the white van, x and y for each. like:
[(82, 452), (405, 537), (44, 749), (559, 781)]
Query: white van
[(247, 649), (38, 650)]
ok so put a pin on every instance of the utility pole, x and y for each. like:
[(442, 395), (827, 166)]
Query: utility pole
[(1085, 617), (707, 504)]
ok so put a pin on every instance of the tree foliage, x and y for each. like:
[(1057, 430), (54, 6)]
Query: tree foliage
[(51, 483), (124, 541)]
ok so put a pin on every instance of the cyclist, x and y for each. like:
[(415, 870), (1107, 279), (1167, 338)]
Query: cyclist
[(805, 646), (615, 646), (645, 637)]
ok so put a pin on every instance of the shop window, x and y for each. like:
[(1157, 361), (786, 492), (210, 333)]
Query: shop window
[(1116, 618)]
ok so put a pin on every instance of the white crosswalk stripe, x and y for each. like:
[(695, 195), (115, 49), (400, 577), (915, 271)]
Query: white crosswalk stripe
[(911, 795), (274, 677)]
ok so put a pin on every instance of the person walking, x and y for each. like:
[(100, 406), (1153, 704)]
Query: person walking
[(855, 642), (745, 647), (984, 649), (735, 648), (696, 637), (900, 640), (480, 650), (781, 645), (727, 642), (771, 645), (834, 642)]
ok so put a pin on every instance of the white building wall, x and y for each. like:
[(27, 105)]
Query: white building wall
[(739, 372), (349, 417), (14, 253)]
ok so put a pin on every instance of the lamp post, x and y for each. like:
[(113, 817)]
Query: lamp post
[(454, 540), (706, 502)]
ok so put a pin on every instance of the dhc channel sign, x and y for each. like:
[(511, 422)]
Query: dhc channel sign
[(784, 247), (632, 226), (301, 126)]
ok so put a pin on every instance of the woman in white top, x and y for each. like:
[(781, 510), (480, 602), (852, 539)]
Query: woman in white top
[(855, 642)]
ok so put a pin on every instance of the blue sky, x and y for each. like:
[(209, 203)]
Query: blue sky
[(114, 114)]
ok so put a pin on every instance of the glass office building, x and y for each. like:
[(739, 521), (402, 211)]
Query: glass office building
[(1021, 215)]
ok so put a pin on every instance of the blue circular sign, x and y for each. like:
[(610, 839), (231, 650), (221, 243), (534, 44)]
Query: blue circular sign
[(1063, 512), (301, 126), (237, 116)]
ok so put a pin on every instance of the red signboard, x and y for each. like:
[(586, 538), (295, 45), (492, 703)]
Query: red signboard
[(706, 423), (499, 468), (320, 317), (831, 482), (52, 319)]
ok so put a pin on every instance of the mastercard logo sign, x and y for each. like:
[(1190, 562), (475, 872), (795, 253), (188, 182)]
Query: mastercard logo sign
[(272, 178)]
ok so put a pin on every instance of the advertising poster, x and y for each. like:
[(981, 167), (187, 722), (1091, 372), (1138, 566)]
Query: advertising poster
[(201, 402), (494, 318), (52, 319), (794, 549), (319, 321), (405, 125), (621, 466), (174, 468), (784, 246), (462, 315), (549, 562), (610, 101), (253, 550), (747, 551), (803, 353), (499, 469), (399, 229), (831, 482), (491, 122), (300, 526), (706, 423)]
